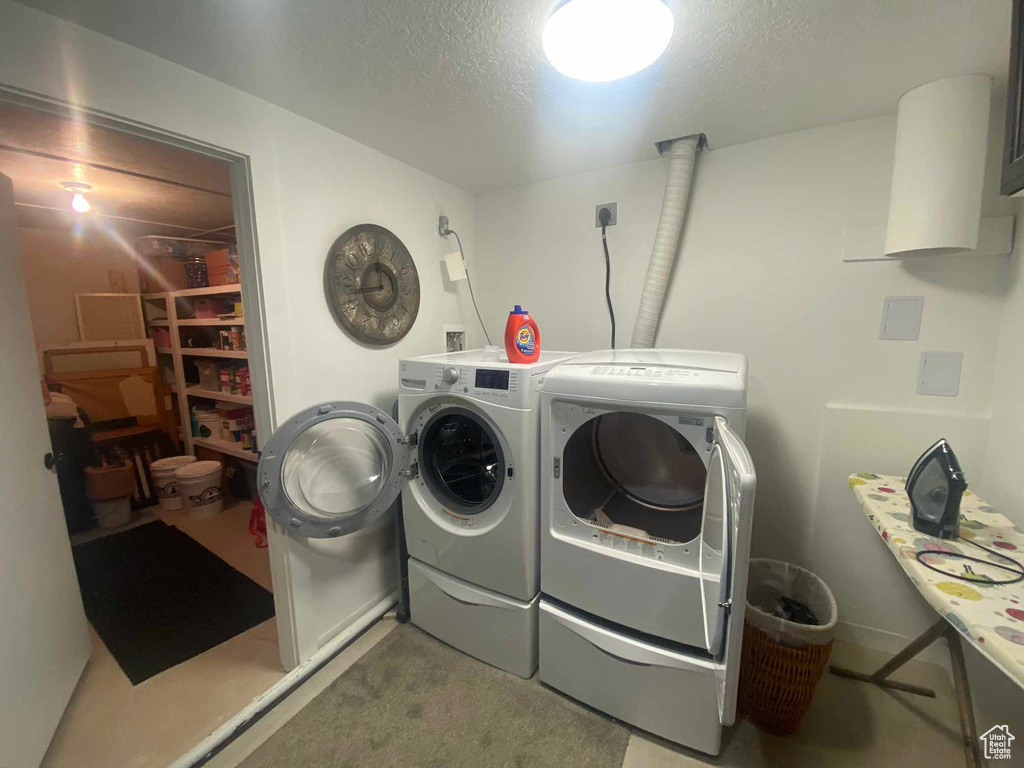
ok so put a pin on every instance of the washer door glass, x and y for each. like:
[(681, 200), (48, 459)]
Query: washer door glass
[(336, 469), (461, 460), (332, 469)]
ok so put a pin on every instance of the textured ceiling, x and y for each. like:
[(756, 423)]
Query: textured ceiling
[(139, 187), (461, 89)]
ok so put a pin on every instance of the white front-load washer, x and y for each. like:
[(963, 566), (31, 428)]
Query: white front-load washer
[(471, 509), (646, 503)]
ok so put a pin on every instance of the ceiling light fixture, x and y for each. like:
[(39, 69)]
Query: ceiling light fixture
[(602, 40), (78, 189)]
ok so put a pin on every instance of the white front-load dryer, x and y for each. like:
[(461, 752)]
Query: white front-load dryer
[(471, 509), (646, 504)]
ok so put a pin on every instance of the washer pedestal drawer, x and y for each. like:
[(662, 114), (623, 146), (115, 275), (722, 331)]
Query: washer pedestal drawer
[(488, 626), (670, 694)]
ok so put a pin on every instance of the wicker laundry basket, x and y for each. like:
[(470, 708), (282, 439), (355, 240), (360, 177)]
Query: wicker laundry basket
[(783, 661)]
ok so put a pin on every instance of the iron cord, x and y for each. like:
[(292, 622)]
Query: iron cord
[(974, 578), (608, 276), (470, 284)]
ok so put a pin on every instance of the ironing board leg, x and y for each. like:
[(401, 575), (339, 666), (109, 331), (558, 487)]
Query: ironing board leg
[(964, 704), (878, 677), (968, 728)]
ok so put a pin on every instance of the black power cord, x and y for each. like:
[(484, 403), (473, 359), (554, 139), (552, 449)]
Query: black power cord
[(972, 577), (605, 216), (445, 231)]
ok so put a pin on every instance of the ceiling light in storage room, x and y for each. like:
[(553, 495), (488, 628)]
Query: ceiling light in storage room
[(601, 40), (78, 190), (939, 167)]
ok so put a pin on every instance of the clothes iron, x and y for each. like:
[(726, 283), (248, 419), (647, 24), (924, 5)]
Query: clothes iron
[(935, 486)]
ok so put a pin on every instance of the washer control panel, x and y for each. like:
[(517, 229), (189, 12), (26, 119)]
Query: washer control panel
[(494, 384), (483, 375)]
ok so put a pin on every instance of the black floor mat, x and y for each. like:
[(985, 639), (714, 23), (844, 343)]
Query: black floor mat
[(157, 597)]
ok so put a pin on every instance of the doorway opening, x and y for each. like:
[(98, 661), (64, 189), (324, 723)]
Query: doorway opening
[(129, 249)]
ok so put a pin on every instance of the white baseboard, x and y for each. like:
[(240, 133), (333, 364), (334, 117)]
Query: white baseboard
[(889, 642)]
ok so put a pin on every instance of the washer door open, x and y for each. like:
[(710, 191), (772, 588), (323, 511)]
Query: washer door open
[(333, 469)]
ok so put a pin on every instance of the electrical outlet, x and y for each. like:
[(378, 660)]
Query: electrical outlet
[(612, 207), (439, 211)]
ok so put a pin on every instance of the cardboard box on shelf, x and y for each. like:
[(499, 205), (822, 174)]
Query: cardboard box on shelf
[(161, 273), (222, 267), (161, 337)]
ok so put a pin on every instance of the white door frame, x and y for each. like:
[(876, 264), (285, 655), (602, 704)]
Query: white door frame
[(243, 207)]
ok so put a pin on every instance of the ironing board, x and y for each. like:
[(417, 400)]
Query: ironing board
[(989, 617)]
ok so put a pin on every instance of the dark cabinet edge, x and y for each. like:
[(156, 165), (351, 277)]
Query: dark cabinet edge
[(1012, 178)]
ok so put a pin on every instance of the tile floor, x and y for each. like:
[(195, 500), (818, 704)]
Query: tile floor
[(850, 724), (109, 722)]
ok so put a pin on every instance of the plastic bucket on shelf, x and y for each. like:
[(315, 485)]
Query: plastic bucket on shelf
[(163, 472), (209, 425), (199, 489)]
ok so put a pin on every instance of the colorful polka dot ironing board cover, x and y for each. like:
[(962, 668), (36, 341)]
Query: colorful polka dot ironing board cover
[(991, 617)]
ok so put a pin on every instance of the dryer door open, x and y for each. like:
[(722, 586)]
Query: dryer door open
[(715, 553), (724, 557), (333, 469)]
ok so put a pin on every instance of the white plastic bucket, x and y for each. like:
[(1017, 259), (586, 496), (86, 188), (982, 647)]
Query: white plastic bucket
[(113, 512), (163, 471), (209, 425), (198, 487)]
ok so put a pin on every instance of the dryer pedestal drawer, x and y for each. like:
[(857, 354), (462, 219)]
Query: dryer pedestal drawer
[(659, 690), (486, 625)]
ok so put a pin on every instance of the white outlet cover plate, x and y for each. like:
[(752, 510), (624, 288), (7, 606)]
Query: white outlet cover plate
[(901, 318), (939, 373)]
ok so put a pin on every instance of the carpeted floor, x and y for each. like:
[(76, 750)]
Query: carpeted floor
[(413, 702)]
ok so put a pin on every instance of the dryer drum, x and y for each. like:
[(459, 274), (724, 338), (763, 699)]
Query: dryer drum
[(461, 460), (628, 470)]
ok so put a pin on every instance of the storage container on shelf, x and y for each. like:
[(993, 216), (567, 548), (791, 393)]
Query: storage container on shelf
[(196, 275), (235, 421), (207, 308), (208, 425), (161, 337), (209, 375), (222, 266)]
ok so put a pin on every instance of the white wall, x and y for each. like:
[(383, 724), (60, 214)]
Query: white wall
[(309, 185), (760, 272), (57, 265)]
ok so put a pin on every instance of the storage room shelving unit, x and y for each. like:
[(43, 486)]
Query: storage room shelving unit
[(181, 388)]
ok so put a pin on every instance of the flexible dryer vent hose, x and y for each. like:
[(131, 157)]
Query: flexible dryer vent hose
[(682, 156)]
